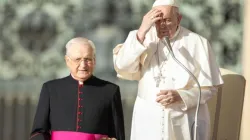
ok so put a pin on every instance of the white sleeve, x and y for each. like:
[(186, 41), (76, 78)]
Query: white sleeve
[(127, 56), (190, 96)]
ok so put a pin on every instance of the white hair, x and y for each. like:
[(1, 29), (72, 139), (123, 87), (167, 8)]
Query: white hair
[(80, 40), (176, 10)]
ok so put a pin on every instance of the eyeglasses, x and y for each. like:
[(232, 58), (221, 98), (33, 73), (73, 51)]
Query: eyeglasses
[(77, 61)]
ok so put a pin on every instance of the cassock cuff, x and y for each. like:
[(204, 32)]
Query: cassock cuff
[(40, 136), (187, 103)]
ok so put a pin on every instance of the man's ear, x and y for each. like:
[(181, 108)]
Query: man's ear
[(66, 58), (179, 18), (94, 61)]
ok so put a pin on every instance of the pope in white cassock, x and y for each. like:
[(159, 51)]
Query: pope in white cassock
[(167, 95)]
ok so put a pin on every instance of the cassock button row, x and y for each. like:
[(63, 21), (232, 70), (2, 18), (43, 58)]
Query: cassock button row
[(79, 112)]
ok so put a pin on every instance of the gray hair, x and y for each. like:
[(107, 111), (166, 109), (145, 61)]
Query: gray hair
[(176, 10), (80, 40)]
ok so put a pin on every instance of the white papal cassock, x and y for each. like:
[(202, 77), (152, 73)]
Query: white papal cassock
[(142, 62)]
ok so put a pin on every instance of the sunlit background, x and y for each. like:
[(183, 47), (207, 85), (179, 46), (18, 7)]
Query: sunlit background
[(33, 34)]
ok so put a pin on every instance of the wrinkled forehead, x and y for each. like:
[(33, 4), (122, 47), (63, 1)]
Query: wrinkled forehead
[(80, 50)]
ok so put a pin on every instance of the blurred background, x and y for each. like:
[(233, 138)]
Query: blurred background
[(33, 34)]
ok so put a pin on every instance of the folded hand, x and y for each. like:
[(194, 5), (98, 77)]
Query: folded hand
[(168, 97)]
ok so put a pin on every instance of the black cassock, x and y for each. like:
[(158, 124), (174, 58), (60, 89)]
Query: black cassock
[(64, 105)]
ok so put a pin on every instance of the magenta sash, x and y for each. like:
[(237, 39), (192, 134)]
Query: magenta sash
[(71, 135)]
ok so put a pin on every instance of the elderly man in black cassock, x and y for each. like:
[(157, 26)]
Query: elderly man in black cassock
[(79, 106)]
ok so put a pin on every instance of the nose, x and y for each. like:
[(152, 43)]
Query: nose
[(83, 63), (162, 24), (165, 26)]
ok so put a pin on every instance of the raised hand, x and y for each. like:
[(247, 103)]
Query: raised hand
[(148, 20)]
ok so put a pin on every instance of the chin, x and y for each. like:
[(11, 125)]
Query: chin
[(159, 36)]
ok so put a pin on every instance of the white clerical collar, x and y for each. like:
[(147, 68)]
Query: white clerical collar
[(80, 82)]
